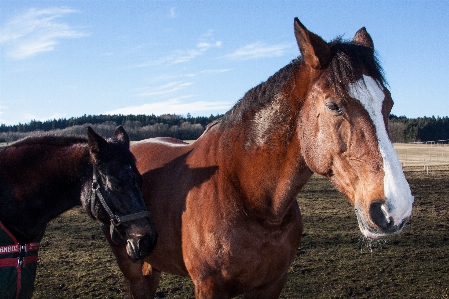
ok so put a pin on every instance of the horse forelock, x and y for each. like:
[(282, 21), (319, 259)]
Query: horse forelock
[(348, 64)]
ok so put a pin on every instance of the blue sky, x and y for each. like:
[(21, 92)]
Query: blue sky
[(62, 59)]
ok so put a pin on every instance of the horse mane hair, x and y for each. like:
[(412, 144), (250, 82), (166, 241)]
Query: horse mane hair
[(262, 94), (349, 61)]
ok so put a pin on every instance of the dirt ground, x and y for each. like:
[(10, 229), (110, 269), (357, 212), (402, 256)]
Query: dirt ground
[(334, 261)]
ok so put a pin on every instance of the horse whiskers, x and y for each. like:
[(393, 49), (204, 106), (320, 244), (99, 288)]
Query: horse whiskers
[(370, 244)]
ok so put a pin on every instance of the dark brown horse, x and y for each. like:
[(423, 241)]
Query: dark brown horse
[(225, 206), (41, 177)]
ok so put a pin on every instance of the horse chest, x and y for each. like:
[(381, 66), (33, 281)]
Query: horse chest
[(245, 251)]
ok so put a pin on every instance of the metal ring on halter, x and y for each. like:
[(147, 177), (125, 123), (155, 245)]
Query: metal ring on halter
[(115, 219)]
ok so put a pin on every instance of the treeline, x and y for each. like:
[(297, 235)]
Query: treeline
[(143, 120), (402, 129), (138, 127), (421, 129)]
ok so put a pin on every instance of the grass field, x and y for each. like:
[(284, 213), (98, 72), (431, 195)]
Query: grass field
[(333, 260)]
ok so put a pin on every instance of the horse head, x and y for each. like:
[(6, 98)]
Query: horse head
[(343, 129), (115, 197)]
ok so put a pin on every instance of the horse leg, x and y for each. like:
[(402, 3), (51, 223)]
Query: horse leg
[(152, 278), (141, 280), (270, 291)]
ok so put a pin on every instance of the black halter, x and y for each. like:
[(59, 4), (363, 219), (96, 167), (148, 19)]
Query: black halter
[(115, 219)]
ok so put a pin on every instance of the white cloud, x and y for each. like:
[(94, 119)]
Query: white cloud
[(163, 89), (2, 108), (187, 55), (175, 106), (181, 56), (36, 31), (172, 13), (184, 56), (204, 46), (259, 50), (178, 56), (217, 71), (29, 116)]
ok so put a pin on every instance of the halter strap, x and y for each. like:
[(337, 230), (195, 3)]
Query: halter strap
[(115, 219)]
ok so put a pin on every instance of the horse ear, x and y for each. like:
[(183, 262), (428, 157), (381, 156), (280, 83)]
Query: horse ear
[(96, 142), (121, 136), (315, 51), (363, 38)]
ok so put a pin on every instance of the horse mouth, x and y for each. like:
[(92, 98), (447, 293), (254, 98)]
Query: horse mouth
[(376, 232)]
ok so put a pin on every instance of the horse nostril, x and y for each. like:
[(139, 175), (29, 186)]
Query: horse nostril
[(379, 216), (143, 243)]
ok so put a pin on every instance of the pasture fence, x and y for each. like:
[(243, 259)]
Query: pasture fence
[(426, 157)]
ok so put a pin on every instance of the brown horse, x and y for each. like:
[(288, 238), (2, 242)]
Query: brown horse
[(41, 177), (225, 206)]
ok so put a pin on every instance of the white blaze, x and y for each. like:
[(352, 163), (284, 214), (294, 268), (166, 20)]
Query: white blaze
[(397, 191)]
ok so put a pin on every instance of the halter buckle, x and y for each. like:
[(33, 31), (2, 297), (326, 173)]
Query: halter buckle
[(116, 221), (95, 185)]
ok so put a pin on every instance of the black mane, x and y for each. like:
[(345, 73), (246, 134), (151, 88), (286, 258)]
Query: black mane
[(349, 61), (49, 140)]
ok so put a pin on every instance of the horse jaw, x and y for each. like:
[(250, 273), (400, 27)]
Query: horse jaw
[(398, 202)]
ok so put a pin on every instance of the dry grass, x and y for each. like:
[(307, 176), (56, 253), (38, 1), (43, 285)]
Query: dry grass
[(332, 262)]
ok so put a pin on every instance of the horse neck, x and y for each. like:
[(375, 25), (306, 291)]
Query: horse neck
[(75, 171), (49, 183), (267, 159)]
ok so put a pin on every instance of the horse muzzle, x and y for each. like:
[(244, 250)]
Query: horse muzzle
[(379, 222), (139, 240), (139, 247)]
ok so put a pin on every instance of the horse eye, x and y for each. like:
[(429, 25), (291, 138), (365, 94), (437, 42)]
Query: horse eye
[(334, 108)]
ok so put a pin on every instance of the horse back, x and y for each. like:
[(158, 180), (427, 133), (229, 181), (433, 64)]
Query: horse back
[(155, 152)]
